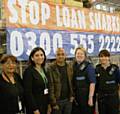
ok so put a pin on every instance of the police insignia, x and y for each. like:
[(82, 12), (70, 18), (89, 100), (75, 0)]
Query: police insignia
[(98, 75), (111, 70), (82, 66)]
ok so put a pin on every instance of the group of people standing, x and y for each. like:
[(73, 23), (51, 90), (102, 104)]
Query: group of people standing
[(61, 88)]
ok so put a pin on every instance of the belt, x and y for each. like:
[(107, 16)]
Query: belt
[(63, 100)]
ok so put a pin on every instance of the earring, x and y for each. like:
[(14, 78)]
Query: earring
[(32, 59)]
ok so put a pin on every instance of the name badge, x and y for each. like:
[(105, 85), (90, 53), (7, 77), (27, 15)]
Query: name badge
[(79, 78), (45, 91), (20, 105)]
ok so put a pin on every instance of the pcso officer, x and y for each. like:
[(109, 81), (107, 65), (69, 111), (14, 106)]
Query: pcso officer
[(108, 79), (84, 80)]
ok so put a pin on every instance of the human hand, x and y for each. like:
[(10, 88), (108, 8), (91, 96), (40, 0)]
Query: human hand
[(71, 99), (49, 110), (36, 112), (90, 101), (56, 107)]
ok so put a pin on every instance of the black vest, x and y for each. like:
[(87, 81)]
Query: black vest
[(106, 80), (81, 80)]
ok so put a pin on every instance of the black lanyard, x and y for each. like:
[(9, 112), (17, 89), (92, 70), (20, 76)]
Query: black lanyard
[(19, 101), (7, 77)]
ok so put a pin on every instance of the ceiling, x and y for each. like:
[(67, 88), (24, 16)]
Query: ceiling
[(111, 2), (114, 1)]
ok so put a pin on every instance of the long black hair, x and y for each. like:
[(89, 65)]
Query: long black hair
[(32, 54)]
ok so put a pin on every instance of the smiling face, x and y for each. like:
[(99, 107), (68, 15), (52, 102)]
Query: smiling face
[(104, 57), (104, 60), (80, 55), (9, 66), (38, 57)]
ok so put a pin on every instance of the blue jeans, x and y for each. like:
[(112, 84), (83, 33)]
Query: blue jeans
[(65, 107)]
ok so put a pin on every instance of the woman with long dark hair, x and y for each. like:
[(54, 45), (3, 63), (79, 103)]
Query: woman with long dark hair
[(36, 83)]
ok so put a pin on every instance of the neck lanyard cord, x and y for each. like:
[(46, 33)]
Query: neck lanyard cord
[(7, 77), (44, 78)]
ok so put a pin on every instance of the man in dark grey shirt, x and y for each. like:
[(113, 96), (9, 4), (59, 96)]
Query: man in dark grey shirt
[(60, 89)]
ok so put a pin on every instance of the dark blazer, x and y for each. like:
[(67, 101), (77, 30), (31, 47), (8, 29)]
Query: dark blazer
[(9, 95), (34, 90)]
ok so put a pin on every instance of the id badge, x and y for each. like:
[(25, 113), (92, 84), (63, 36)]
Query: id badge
[(45, 91), (20, 105)]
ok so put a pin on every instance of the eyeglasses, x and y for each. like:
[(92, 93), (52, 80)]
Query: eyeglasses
[(9, 63)]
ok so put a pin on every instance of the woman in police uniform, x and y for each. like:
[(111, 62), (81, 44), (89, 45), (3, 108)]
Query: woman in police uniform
[(83, 83), (108, 78)]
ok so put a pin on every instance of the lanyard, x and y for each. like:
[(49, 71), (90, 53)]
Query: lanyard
[(7, 77), (19, 104), (43, 77), (19, 101)]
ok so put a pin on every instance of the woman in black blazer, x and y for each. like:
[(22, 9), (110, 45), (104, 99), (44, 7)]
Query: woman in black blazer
[(36, 83), (11, 89)]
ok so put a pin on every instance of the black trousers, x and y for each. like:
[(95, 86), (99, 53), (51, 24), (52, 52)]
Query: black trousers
[(80, 106), (82, 109), (42, 104), (108, 103), (42, 109)]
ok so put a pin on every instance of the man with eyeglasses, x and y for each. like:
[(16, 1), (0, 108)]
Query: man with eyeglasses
[(60, 89)]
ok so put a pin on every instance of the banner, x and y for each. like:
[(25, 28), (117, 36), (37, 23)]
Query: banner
[(32, 23), (45, 15), (20, 42)]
